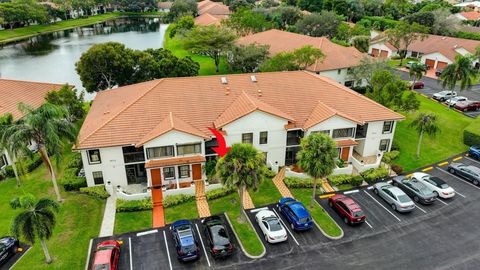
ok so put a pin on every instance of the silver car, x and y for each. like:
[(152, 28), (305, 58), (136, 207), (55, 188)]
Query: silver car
[(395, 197)]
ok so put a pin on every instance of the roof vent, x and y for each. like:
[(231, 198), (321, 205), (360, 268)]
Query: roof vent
[(224, 80), (259, 92), (455, 46), (253, 78), (227, 91)]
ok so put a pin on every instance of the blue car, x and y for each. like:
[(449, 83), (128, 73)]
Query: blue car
[(186, 243), (474, 151), (296, 214)]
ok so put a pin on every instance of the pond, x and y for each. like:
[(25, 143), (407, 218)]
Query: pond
[(52, 57)]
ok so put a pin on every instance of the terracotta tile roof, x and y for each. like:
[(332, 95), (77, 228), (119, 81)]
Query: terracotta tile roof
[(214, 8), (244, 105), (348, 142), (209, 19), (171, 122), (322, 112), (471, 15), (174, 161), (124, 116), (165, 5), (337, 56), (13, 92)]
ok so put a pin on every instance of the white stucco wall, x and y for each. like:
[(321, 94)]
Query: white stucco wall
[(256, 122), (334, 122), (335, 75), (174, 137), (370, 145), (381, 47), (112, 166)]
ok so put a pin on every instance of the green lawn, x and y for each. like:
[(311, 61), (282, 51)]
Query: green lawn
[(29, 31), (186, 210), (248, 236), (394, 62), (447, 143), (133, 221), (318, 213), (267, 193), (79, 220), (207, 66)]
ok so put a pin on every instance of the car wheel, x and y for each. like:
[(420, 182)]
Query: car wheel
[(436, 194), (345, 220), (451, 170), (415, 198), (394, 208), (266, 239), (375, 191), (330, 203), (475, 182)]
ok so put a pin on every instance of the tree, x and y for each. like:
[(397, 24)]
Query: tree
[(47, 127), (425, 123), (285, 16), (5, 121), (244, 21), (182, 8), (247, 58), (299, 59), (67, 96), (424, 18), (37, 220), (235, 5), (445, 23), (459, 71), (184, 24), (319, 24), (307, 56), (365, 70), (243, 167), (416, 72), (310, 5), (361, 43), (403, 35), (269, 3), (211, 41), (317, 158)]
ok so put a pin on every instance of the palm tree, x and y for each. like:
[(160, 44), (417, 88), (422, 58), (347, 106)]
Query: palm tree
[(317, 158), (47, 127), (36, 221), (243, 167), (416, 72), (425, 123), (459, 71), (5, 121)]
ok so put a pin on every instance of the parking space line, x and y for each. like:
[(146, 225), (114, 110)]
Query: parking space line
[(458, 178), (147, 232), (166, 248), (351, 191), (441, 200), (258, 209), (201, 241), (370, 187), (368, 224), (130, 251), (286, 228), (460, 194), (473, 160), (420, 209), (382, 206)]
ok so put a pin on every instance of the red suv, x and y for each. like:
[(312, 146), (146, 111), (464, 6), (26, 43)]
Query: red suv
[(106, 255), (347, 208)]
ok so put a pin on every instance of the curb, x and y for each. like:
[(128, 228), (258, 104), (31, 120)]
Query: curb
[(89, 253), (323, 232), (240, 242)]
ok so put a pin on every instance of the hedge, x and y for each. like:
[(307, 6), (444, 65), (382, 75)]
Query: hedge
[(297, 182), (9, 173), (468, 35), (33, 163), (471, 134), (96, 191), (219, 193), (388, 157), (132, 206), (373, 175), (71, 182), (173, 200), (340, 179)]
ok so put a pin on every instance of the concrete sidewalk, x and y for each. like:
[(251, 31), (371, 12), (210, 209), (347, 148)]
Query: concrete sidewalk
[(108, 222)]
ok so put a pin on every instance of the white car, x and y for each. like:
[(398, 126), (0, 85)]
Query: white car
[(272, 229), (439, 187), (444, 95), (451, 102)]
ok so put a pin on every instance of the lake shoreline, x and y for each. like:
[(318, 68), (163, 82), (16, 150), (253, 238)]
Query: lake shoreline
[(8, 36)]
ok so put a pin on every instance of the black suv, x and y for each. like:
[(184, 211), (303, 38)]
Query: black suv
[(218, 240), (8, 248)]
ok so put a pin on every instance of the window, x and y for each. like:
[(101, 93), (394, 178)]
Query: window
[(168, 172), (3, 161), (132, 154), (98, 178), (384, 144), (361, 131), (160, 152), (184, 171), (94, 156), (342, 133), (263, 137), (414, 54), (349, 83), (247, 138), (294, 136), (339, 71), (387, 127), (187, 149)]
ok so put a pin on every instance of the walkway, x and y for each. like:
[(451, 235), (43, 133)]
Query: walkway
[(278, 181), (158, 216), (247, 200), (108, 222), (326, 186), (202, 203)]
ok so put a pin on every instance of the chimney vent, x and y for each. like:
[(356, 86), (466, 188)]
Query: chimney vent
[(224, 80), (253, 78), (259, 91)]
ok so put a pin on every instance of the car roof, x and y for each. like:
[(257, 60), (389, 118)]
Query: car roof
[(349, 202), (181, 222), (474, 169), (103, 256), (437, 180), (477, 147), (299, 209), (396, 191)]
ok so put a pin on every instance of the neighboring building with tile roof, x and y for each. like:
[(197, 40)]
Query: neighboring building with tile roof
[(468, 15), (209, 19), (13, 92), (164, 6), (435, 51), (214, 8), (338, 59), (158, 131)]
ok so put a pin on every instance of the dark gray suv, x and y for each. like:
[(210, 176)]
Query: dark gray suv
[(468, 172)]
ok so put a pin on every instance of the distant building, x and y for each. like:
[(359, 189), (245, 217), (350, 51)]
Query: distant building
[(164, 6), (214, 8), (209, 19), (468, 15)]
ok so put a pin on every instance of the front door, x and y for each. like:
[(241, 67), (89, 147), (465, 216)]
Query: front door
[(157, 195), (196, 171), (345, 153)]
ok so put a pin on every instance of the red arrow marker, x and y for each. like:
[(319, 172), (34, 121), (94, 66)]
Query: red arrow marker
[(222, 148)]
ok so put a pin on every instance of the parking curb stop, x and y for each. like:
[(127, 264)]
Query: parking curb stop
[(240, 242), (323, 232)]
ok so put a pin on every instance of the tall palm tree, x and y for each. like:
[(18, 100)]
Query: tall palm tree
[(416, 72), (425, 123), (6, 121), (459, 71), (317, 158), (47, 127), (36, 221), (243, 167)]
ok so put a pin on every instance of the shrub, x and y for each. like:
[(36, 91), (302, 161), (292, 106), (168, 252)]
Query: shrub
[(397, 169), (471, 134), (133, 206), (297, 182), (2, 175), (8, 170), (33, 163), (219, 193), (388, 157), (96, 191), (73, 183), (373, 175), (270, 174), (75, 161), (395, 146), (356, 180), (173, 200), (468, 35), (210, 168), (340, 179)]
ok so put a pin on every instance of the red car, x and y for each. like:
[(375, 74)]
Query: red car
[(417, 85), (347, 208), (468, 105), (106, 255)]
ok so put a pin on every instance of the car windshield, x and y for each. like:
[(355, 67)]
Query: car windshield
[(219, 235), (358, 214), (444, 92), (105, 248), (424, 190), (304, 220), (274, 224), (403, 198), (101, 266)]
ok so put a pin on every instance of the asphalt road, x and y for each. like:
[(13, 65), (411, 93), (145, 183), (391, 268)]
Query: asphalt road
[(444, 235)]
